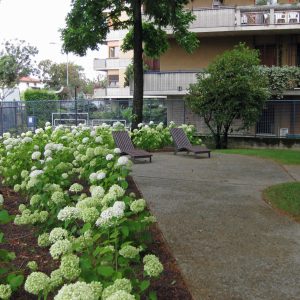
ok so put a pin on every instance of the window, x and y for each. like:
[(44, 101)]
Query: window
[(269, 55), (113, 80), (114, 52)]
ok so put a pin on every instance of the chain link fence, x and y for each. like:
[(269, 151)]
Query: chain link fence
[(19, 116), (278, 118)]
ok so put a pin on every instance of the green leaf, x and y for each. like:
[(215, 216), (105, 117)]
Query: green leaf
[(15, 280), (152, 295), (124, 185), (105, 271), (125, 231), (86, 227), (4, 217), (1, 237), (144, 285)]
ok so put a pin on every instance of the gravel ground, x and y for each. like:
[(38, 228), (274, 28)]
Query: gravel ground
[(228, 242)]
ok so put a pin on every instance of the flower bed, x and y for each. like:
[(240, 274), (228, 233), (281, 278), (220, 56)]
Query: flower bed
[(73, 183)]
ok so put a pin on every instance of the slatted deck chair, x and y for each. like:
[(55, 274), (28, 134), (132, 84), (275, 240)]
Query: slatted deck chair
[(182, 143), (123, 141)]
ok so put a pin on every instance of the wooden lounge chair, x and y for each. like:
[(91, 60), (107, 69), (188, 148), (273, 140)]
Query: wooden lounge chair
[(123, 141), (182, 143)]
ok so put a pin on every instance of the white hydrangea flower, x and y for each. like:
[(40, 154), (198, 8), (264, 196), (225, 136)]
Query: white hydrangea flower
[(68, 213), (117, 190), (140, 125), (85, 140), (119, 285), (76, 188), (27, 139), (36, 283), (1, 199), (122, 161), (98, 139), (152, 266), (80, 291), (47, 124), (59, 248), (48, 153), (117, 150), (116, 211), (100, 175), (64, 175), (109, 157), (39, 130), (93, 133), (97, 191), (58, 233), (151, 123), (36, 173), (5, 291), (93, 177)]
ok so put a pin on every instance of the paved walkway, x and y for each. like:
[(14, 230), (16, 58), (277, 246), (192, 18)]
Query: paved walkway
[(228, 242)]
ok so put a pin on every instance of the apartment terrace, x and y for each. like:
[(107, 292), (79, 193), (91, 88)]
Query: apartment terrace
[(242, 19), (111, 63)]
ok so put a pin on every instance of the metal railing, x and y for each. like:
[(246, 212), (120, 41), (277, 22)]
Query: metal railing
[(244, 18), (168, 83), (111, 63), (20, 116), (112, 92)]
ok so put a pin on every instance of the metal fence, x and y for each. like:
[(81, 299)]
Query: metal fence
[(19, 116), (279, 118)]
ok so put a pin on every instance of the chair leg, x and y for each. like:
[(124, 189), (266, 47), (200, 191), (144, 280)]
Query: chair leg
[(150, 158)]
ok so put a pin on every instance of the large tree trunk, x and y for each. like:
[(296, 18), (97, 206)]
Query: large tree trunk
[(138, 90)]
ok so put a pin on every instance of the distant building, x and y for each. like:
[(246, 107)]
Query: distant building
[(29, 83)]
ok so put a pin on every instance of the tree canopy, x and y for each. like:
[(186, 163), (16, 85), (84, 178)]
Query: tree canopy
[(16, 61), (54, 75), (89, 22), (233, 87)]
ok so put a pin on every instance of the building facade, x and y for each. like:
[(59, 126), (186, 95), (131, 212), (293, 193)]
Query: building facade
[(271, 26)]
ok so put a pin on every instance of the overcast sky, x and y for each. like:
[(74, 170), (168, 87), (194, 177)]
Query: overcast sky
[(37, 22)]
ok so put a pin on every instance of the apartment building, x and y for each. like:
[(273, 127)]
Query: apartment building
[(271, 26), (273, 29)]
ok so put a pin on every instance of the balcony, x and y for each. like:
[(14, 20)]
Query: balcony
[(112, 92), (111, 63), (116, 35), (242, 19), (167, 83)]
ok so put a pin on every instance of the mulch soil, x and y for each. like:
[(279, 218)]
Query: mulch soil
[(23, 241)]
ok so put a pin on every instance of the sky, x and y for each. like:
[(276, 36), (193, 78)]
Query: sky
[(37, 22)]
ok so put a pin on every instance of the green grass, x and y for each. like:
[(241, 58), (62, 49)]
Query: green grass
[(285, 197), (283, 156)]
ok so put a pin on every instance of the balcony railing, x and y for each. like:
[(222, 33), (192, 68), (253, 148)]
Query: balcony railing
[(111, 63), (245, 18), (112, 92), (116, 35), (167, 83)]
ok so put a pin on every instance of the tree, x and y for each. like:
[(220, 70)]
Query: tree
[(16, 61), (89, 22), (233, 87), (54, 75)]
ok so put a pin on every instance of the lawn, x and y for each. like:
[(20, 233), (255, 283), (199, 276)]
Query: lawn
[(283, 156), (285, 197)]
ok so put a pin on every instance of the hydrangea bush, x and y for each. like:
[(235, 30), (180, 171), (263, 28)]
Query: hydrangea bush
[(151, 136), (73, 182)]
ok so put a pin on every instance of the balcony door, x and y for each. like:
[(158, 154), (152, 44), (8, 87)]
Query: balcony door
[(269, 55)]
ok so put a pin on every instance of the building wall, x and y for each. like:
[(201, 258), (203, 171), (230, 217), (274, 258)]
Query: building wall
[(176, 58), (209, 3)]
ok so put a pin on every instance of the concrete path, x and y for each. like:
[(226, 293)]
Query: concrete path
[(228, 242)]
